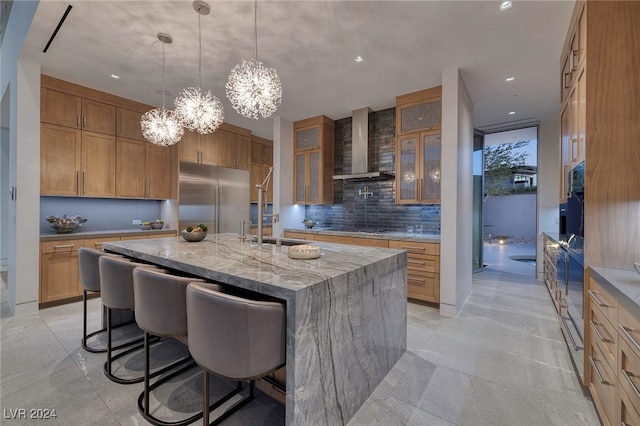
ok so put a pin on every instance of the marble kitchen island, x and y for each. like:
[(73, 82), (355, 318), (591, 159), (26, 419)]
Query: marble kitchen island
[(346, 312)]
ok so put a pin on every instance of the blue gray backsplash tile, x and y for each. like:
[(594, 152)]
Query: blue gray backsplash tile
[(350, 210)]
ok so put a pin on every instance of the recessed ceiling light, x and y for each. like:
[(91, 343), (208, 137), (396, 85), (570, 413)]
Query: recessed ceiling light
[(505, 5), (115, 76), (512, 112), (358, 59), (514, 96), (510, 78)]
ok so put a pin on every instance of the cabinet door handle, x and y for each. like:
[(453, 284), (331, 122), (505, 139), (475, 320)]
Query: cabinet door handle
[(411, 248), (573, 341), (600, 336), (567, 85), (413, 262), (572, 60), (627, 333), (84, 121), (78, 120), (595, 299), (83, 180), (412, 278), (627, 376), (595, 367), (77, 189)]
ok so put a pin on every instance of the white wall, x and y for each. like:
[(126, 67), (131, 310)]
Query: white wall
[(290, 214), (20, 80), (548, 184), (4, 194), (457, 193)]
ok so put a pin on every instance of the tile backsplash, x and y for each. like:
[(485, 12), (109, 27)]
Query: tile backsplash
[(379, 211)]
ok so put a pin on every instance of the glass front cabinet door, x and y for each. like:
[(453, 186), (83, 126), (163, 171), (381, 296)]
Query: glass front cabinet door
[(418, 168)]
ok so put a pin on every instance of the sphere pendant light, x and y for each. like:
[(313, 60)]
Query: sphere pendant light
[(197, 109), (159, 126)]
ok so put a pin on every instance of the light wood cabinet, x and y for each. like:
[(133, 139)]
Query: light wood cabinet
[(418, 147), (298, 235), (76, 163), (59, 277), (261, 150), (419, 111), (59, 272), (65, 109), (196, 148), (550, 269), (418, 166), (313, 161), (423, 269), (128, 124), (367, 242), (234, 149), (143, 170)]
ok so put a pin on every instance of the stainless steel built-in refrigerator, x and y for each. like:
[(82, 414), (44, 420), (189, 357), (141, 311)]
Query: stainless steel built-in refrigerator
[(215, 196)]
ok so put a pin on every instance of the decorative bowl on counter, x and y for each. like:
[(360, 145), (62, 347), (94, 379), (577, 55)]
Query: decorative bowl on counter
[(65, 224), (157, 224), (145, 226), (194, 237), (304, 251), (308, 223)]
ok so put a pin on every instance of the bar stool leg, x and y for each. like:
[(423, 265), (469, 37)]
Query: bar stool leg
[(146, 372), (84, 318), (205, 397), (108, 364)]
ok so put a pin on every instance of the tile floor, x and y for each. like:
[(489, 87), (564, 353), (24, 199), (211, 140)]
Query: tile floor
[(501, 361)]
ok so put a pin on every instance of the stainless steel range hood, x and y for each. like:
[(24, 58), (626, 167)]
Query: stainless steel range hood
[(360, 149)]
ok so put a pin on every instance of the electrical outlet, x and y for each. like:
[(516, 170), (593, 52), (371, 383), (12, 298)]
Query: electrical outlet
[(137, 222)]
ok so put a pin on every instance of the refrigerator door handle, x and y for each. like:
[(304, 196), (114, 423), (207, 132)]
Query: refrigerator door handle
[(218, 209)]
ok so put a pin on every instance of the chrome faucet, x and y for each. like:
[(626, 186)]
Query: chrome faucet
[(262, 189)]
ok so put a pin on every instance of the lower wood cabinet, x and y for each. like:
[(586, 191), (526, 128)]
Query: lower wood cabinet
[(59, 275), (423, 269), (423, 261)]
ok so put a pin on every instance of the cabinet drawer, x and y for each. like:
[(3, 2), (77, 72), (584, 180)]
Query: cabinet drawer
[(61, 246), (604, 335), (603, 301), (629, 328), (368, 242), (628, 414), (423, 263), (602, 383), (416, 248), (423, 286), (629, 374), (298, 236), (96, 243)]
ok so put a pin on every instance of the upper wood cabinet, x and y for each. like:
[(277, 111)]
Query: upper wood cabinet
[(313, 161), (76, 163), (419, 111), (261, 150), (143, 170), (128, 124), (234, 149), (418, 168), (69, 110), (197, 148)]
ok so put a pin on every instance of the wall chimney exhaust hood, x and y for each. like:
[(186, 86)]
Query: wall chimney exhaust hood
[(360, 149)]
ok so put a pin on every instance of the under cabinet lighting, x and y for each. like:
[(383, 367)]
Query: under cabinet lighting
[(505, 5)]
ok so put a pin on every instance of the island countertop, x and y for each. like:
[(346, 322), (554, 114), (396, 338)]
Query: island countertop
[(346, 311)]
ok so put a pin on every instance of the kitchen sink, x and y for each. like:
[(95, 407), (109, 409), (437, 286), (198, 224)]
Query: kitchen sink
[(283, 241)]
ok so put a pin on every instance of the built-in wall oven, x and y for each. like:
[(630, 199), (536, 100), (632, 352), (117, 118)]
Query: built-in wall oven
[(571, 280)]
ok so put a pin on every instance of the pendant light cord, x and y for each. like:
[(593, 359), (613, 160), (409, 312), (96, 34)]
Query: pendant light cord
[(162, 74), (255, 30), (199, 49)]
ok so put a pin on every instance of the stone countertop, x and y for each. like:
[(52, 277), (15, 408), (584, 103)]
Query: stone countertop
[(623, 284), (396, 236), (98, 234), (226, 259), (346, 311)]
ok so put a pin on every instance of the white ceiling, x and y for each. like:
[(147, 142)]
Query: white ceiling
[(312, 45)]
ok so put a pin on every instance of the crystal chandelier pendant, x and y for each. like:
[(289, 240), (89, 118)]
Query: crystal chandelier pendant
[(198, 110), (254, 89), (159, 126)]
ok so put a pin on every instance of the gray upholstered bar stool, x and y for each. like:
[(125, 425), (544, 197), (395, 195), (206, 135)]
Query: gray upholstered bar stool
[(233, 338), (161, 310), (116, 284), (90, 281)]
